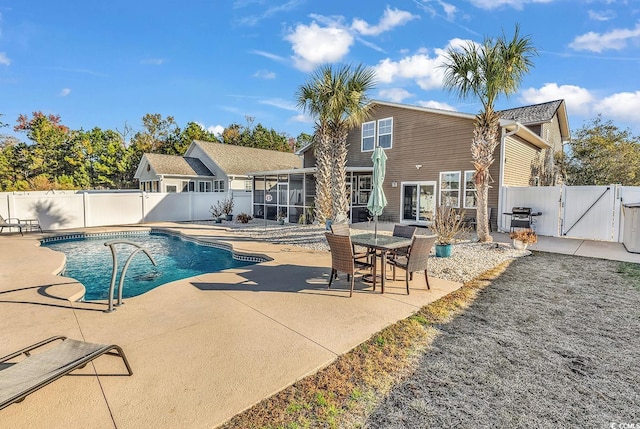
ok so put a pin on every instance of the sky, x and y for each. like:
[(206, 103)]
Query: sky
[(107, 64)]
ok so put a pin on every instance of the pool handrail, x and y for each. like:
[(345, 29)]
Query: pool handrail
[(112, 246)]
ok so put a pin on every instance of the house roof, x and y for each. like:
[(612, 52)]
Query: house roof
[(173, 165), (539, 114), (240, 160)]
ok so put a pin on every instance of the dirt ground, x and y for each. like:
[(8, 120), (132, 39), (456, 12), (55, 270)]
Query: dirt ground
[(553, 342)]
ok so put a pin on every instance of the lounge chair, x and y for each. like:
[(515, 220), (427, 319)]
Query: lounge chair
[(6, 223), (417, 258), (342, 258), (20, 379)]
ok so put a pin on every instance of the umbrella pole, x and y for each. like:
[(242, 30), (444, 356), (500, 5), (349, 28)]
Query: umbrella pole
[(375, 227)]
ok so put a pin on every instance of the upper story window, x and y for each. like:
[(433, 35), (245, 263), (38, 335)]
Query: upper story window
[(385, 132), (380, 132), (368, 135)]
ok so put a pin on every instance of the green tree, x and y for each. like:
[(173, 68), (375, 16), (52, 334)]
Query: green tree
[(338, 101), (303, 140), (486, 71), (49, 137), (600, 153)]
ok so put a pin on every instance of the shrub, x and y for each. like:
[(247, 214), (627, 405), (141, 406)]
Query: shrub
[(243, 218), (448, 224), (227, 206), (216, 210), (527, 236)]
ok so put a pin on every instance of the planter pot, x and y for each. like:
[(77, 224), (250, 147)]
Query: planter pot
[(519, 245), (281, 221), (443, 250), (218, 220), (229, 217)]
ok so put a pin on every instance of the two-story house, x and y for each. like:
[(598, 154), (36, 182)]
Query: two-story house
[(428, 162)]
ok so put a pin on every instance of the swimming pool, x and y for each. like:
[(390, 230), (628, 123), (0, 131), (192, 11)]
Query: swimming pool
[(90, 262)]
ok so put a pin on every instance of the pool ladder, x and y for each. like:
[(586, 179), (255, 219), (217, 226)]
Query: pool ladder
[(112, 246)]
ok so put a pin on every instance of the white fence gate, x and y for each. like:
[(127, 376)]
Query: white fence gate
[(587, 212)]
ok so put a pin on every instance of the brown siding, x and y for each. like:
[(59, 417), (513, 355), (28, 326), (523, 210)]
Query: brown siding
[(437, 142)]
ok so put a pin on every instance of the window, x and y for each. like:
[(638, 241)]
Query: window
[(248, 185), (470, 194), (384, 134), (204, 186), (172, 188), (218, 186), (385, 129), (368, 135), (189, 186), (154, 186), (364, 189), (450, 189)]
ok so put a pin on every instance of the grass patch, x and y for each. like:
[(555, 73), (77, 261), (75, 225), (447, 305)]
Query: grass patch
[(631, 272), (350, 387)]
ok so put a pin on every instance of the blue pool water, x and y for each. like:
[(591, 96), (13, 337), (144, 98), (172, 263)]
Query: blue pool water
[(90, 262)]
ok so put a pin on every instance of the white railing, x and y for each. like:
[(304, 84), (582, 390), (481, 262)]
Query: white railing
[(76, 209)]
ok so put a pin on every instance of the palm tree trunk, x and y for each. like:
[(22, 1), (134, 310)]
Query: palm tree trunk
[(323, 198), (339, 198), (485, 141)]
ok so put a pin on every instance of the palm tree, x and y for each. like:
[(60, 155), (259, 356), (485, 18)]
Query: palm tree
[(338, 101), (486, 71)]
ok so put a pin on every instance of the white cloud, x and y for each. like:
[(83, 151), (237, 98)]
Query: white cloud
[(153, 61), (390, 18), (397, 95), (494, 4), (604, 15), (4, 60), (279, 103), (65, 92), (448, 9), (436, 105), (302, 118), (579, 100), (269, 55), (597, 42), (216, 129), (314, 45), (424, 69), (264, 74), (624, 106)]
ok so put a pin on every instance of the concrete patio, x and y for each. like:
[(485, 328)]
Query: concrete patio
[(202, 349)]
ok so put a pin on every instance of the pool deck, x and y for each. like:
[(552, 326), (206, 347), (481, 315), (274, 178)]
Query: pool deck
[(202, 349)]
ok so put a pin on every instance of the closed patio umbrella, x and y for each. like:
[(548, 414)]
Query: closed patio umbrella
[(377, 201)]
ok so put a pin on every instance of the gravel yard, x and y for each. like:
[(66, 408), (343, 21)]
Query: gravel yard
[(467, 261), (553, 342)]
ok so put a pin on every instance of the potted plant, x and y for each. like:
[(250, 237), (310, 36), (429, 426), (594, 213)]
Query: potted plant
[(216, 212), (523, 237), (227, 208), (447, 225), (281, 217)]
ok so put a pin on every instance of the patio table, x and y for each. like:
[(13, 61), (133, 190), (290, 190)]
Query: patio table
[(383, 244)]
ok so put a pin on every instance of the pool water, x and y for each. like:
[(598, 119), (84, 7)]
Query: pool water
[(90, 262)]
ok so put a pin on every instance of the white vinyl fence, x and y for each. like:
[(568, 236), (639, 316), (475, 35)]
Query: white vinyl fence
[(587, 212), (75, 209)]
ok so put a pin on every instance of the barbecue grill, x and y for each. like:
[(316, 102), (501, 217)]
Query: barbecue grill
[(521, 217)]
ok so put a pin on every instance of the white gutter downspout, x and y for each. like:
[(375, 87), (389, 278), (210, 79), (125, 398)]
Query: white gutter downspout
[(502, 155)]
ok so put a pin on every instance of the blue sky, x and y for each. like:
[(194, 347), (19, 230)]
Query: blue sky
[(214, 62)]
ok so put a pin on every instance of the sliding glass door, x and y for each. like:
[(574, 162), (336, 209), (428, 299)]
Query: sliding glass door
[(418, 202)]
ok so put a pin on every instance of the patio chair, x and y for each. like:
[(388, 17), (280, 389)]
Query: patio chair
[(342, 258), (20, 379), (405, 231), (416, 260), (8, 224), (358, 252)]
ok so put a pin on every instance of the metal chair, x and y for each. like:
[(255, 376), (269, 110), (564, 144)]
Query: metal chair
[(417, 259), (342, 258)]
